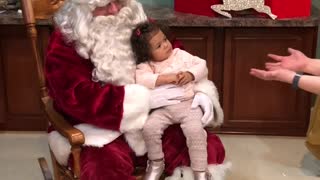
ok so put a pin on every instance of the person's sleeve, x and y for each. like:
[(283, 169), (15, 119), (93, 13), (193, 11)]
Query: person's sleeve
[(145, 76), (69, 83), (196, 65)]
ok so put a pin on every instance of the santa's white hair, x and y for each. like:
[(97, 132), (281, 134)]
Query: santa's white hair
[(103, 39)]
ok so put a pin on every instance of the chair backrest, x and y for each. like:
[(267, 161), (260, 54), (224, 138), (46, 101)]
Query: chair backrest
[(32, 10), (44, 9)]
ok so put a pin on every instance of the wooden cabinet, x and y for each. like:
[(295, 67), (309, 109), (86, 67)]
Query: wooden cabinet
[(20, 107), (253, 106), (260, 107)]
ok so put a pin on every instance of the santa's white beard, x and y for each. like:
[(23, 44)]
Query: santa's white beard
[(108, 44)]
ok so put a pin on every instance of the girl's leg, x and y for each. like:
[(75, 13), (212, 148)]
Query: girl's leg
[(196, 138), (176, 151), (152, 132), (157, 122)]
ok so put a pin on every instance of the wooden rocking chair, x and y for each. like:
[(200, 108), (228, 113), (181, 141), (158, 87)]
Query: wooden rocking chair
[(43, 10)]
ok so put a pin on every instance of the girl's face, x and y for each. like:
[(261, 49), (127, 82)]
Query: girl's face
[(160, 46)]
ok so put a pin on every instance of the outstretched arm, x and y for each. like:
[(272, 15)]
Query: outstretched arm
[(296, 61), (312, 67), (310, 84), (306, 82)]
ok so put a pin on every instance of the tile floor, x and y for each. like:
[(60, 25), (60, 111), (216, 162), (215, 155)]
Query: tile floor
[(253, 157), (270, 158)]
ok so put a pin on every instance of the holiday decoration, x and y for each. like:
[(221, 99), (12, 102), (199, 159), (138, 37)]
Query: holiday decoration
[(238, 5), (290, 8), (199, 7), (282, 8)]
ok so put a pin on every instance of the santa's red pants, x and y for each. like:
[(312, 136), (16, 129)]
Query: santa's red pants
[(116, 161)]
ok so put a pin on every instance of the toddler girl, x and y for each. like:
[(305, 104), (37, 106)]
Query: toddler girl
[(158, 64)]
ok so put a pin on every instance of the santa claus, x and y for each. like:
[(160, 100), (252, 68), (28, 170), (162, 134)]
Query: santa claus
[(90, 76)]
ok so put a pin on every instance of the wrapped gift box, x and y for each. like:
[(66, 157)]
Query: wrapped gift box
[(199, 7), (281, 8)]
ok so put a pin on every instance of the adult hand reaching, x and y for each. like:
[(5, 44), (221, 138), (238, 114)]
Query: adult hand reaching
[(205, 103), (163, 95), (273, 73), (296, 61)]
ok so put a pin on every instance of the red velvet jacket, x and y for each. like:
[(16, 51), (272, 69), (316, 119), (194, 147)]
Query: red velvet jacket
[(69, 83)]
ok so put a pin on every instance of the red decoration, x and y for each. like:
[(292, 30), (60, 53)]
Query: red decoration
[(281, 8), (290, 8), (199, 7)]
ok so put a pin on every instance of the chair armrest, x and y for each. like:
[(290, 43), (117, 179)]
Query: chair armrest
[(74, 135)]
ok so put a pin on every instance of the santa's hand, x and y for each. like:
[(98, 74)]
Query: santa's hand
[(164, 95), (205, 103)]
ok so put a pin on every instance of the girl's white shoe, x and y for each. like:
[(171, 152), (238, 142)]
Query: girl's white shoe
[(202, 175), (154, 170)]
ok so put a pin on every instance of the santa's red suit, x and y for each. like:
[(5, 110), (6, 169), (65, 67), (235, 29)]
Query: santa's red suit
[(111, 112)]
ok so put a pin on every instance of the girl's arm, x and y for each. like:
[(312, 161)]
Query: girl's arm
[(197, 66), (166, 79), (146, 77)]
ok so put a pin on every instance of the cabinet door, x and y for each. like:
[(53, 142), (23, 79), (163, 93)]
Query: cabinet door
[(20, 106), (2, 91), (261, 107)]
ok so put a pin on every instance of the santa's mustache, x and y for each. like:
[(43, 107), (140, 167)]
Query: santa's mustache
[(111, 51), (126, 17)]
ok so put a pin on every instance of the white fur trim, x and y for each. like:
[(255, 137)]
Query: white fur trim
[(60, 147), (218, 172), (136, 142), (135, 108), (94, 136), (207, 87)]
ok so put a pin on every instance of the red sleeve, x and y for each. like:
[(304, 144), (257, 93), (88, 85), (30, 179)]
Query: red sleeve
[(75, 94)]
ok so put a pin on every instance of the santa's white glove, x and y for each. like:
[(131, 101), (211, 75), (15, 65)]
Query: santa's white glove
[(205, 103), (164, 95)]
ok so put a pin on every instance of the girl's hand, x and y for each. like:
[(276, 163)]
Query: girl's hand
[(296, 61), (184, 78), (171, 78)]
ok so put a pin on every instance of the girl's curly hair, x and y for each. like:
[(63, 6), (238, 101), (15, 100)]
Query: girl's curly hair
[(141, 36)]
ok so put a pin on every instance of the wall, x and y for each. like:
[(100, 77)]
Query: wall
[(162, 3), (316, 3)]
